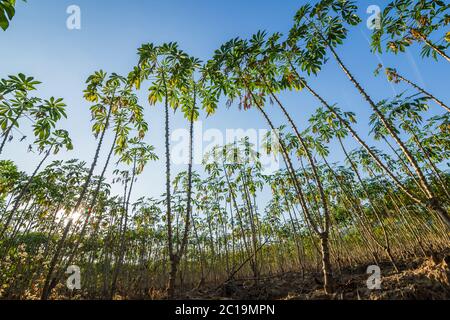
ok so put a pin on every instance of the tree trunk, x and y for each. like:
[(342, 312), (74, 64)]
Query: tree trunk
[(433, 202), (122, 241), (439, 102), (324, 233), (23, 192), (8, 131), (326, 265), (172, 254), (189, 191), (429, 43), (47, 286)]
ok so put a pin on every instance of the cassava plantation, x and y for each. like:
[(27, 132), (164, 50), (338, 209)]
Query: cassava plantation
[(351, 193)]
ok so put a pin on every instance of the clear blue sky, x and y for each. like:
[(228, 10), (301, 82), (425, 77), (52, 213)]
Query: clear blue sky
[(39, 44)]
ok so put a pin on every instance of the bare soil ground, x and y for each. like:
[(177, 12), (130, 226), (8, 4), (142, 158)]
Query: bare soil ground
[(418, 279)]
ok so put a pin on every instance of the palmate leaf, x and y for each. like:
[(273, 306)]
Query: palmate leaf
[(7, 12), (4, 23)]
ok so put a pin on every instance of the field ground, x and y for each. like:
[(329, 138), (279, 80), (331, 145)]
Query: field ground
[(418, 279)]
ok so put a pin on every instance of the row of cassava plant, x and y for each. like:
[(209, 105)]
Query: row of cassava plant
[(212, 226)]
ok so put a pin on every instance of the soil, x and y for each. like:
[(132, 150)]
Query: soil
[(417, 279)]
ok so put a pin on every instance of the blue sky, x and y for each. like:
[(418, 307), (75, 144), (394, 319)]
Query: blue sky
[(39, 44)]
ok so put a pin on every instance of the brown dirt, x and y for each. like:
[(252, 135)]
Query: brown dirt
[(418, 279)]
